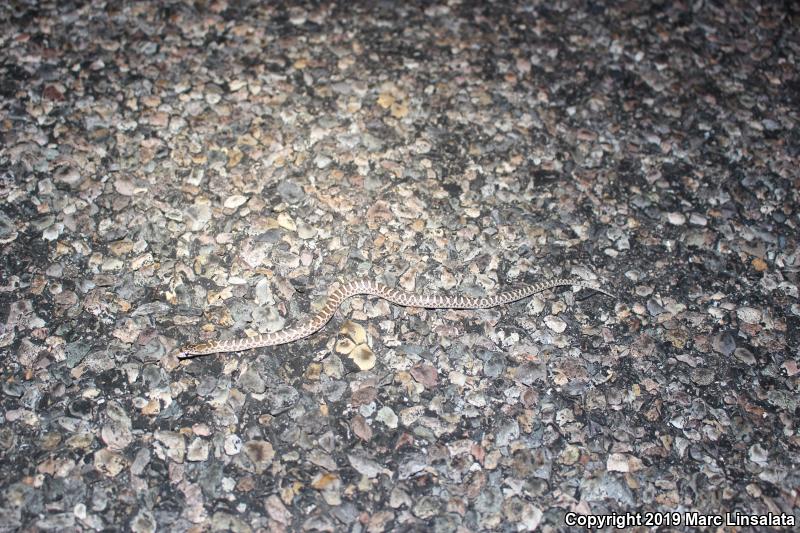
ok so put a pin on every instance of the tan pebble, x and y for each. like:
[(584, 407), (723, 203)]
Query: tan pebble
[(235, 85), (492, 460), (304, 231), (121, 247), (152, 407), (109, 462), (570, 455), (234, 157), (260, 452), (80, 441), (224, 294), (363, 357), (344, 346), (749, 315), (354, 331), (410, 415), (286, 222), (50, 440), (111, 264), (399, 110), (385, 100), (324, 481), (313, 371), (232, 202), (142, 260)]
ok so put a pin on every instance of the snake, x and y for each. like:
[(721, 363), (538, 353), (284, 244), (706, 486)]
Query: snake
[(403, 298)]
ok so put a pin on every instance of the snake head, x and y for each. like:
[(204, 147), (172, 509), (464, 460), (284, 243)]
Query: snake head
[(196, 348), (597, 286)]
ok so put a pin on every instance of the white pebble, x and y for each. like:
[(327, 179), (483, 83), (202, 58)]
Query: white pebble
[(676, 219), (749, 315), (232, 202), (555, 323)]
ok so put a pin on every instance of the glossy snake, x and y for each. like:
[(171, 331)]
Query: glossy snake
[(396, 296)]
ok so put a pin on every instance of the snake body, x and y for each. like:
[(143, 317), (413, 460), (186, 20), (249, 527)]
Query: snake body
[(396, 296)]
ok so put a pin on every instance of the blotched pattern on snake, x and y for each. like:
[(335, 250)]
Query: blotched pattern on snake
[(396, 296)]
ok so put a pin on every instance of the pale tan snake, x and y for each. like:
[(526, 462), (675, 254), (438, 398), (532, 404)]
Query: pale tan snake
[(396, 296)]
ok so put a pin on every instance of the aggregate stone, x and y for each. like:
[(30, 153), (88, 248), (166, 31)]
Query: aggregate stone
[(218, 177)]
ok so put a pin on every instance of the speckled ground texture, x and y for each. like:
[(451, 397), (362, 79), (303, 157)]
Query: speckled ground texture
[(178, 171)]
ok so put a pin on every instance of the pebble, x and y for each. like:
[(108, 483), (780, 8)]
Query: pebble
[(234, 201), (364, 465), (724, 343), (306, 232), (507, 432), (109, 462), (198, 450), (387, 416), (702, 376), (290, 191), (749, 315), (676, 219), (233, 444), (53, 231), (8, 231), (555, 324), (251, 381), (260, 452), (286, 222), (174, 443)]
